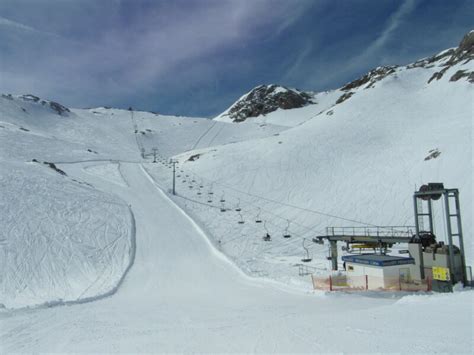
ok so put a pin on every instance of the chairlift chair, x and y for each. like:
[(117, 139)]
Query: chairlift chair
[(238, 209), (308, 258), (267, 237), (257, 218), (287, 233)]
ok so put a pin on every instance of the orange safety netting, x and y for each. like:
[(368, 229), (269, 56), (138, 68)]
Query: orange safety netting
[(343, 282)]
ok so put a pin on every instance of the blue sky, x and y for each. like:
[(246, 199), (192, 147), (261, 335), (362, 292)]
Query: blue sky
[(190, 57)]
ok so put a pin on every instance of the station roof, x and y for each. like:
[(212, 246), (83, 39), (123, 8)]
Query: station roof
[(377, 260)]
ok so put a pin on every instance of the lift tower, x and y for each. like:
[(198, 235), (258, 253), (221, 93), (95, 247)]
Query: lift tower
[(425, 196)]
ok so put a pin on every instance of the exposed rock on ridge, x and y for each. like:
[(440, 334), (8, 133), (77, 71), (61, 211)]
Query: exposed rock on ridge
[(265, 99), (370, 78), (56, 107), (464, 53)]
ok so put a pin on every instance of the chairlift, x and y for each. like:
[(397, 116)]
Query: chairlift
[(223, 209), (267, 237), (241, 221), (238, 209), (308, 258), (223, 197), (318, 241), (287, 233), (257, 218)]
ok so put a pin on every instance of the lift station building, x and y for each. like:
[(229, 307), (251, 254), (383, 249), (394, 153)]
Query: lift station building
[(383, 271), (428, 260)]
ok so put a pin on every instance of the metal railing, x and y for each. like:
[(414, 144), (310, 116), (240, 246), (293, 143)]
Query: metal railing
[(379, 231), (305, 270)]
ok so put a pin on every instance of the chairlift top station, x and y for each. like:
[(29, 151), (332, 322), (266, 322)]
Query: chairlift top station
[(428, 259)]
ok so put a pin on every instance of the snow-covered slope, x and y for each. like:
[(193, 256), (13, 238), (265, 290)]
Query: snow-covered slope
[(64, 240), (356, 163), (182, 295), (74, 181), (61, 241)]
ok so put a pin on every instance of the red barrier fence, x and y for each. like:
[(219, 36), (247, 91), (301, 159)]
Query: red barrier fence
[(342, 282)]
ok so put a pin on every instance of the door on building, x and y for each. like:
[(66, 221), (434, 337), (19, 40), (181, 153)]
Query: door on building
[(405, 275)]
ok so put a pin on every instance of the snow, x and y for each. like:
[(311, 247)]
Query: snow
[(175, 274), (61, 241), (110, 172), (180, 296), (358, 166)]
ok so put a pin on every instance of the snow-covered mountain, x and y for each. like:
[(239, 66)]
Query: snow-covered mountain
[(86, 212), (265, 99), (357, 161)]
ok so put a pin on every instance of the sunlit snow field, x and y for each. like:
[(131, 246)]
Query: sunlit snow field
[(176, 273)]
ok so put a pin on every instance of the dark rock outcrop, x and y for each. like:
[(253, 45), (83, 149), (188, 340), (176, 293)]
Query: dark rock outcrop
[(56, 107), (265, 99), (60, 109), (464, 53), (370, 78), (344, 97)]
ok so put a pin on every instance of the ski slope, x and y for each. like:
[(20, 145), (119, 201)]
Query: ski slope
[(61, 241), (182, 295), (175, 273), (357, 163)]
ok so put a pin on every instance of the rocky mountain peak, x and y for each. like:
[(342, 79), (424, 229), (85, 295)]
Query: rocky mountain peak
[(54, 106), (265, 99), (370, 78), (464, 53)]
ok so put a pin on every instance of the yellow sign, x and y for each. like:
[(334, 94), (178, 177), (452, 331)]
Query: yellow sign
[(441, 273)]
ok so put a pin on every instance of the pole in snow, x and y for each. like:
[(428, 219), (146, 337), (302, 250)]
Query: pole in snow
[(154, 154), (174, 176)]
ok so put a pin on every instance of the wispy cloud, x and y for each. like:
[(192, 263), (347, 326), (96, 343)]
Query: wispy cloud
[(132, 53), (6, 25), (194, 56), (405, 9), (348, 62)]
